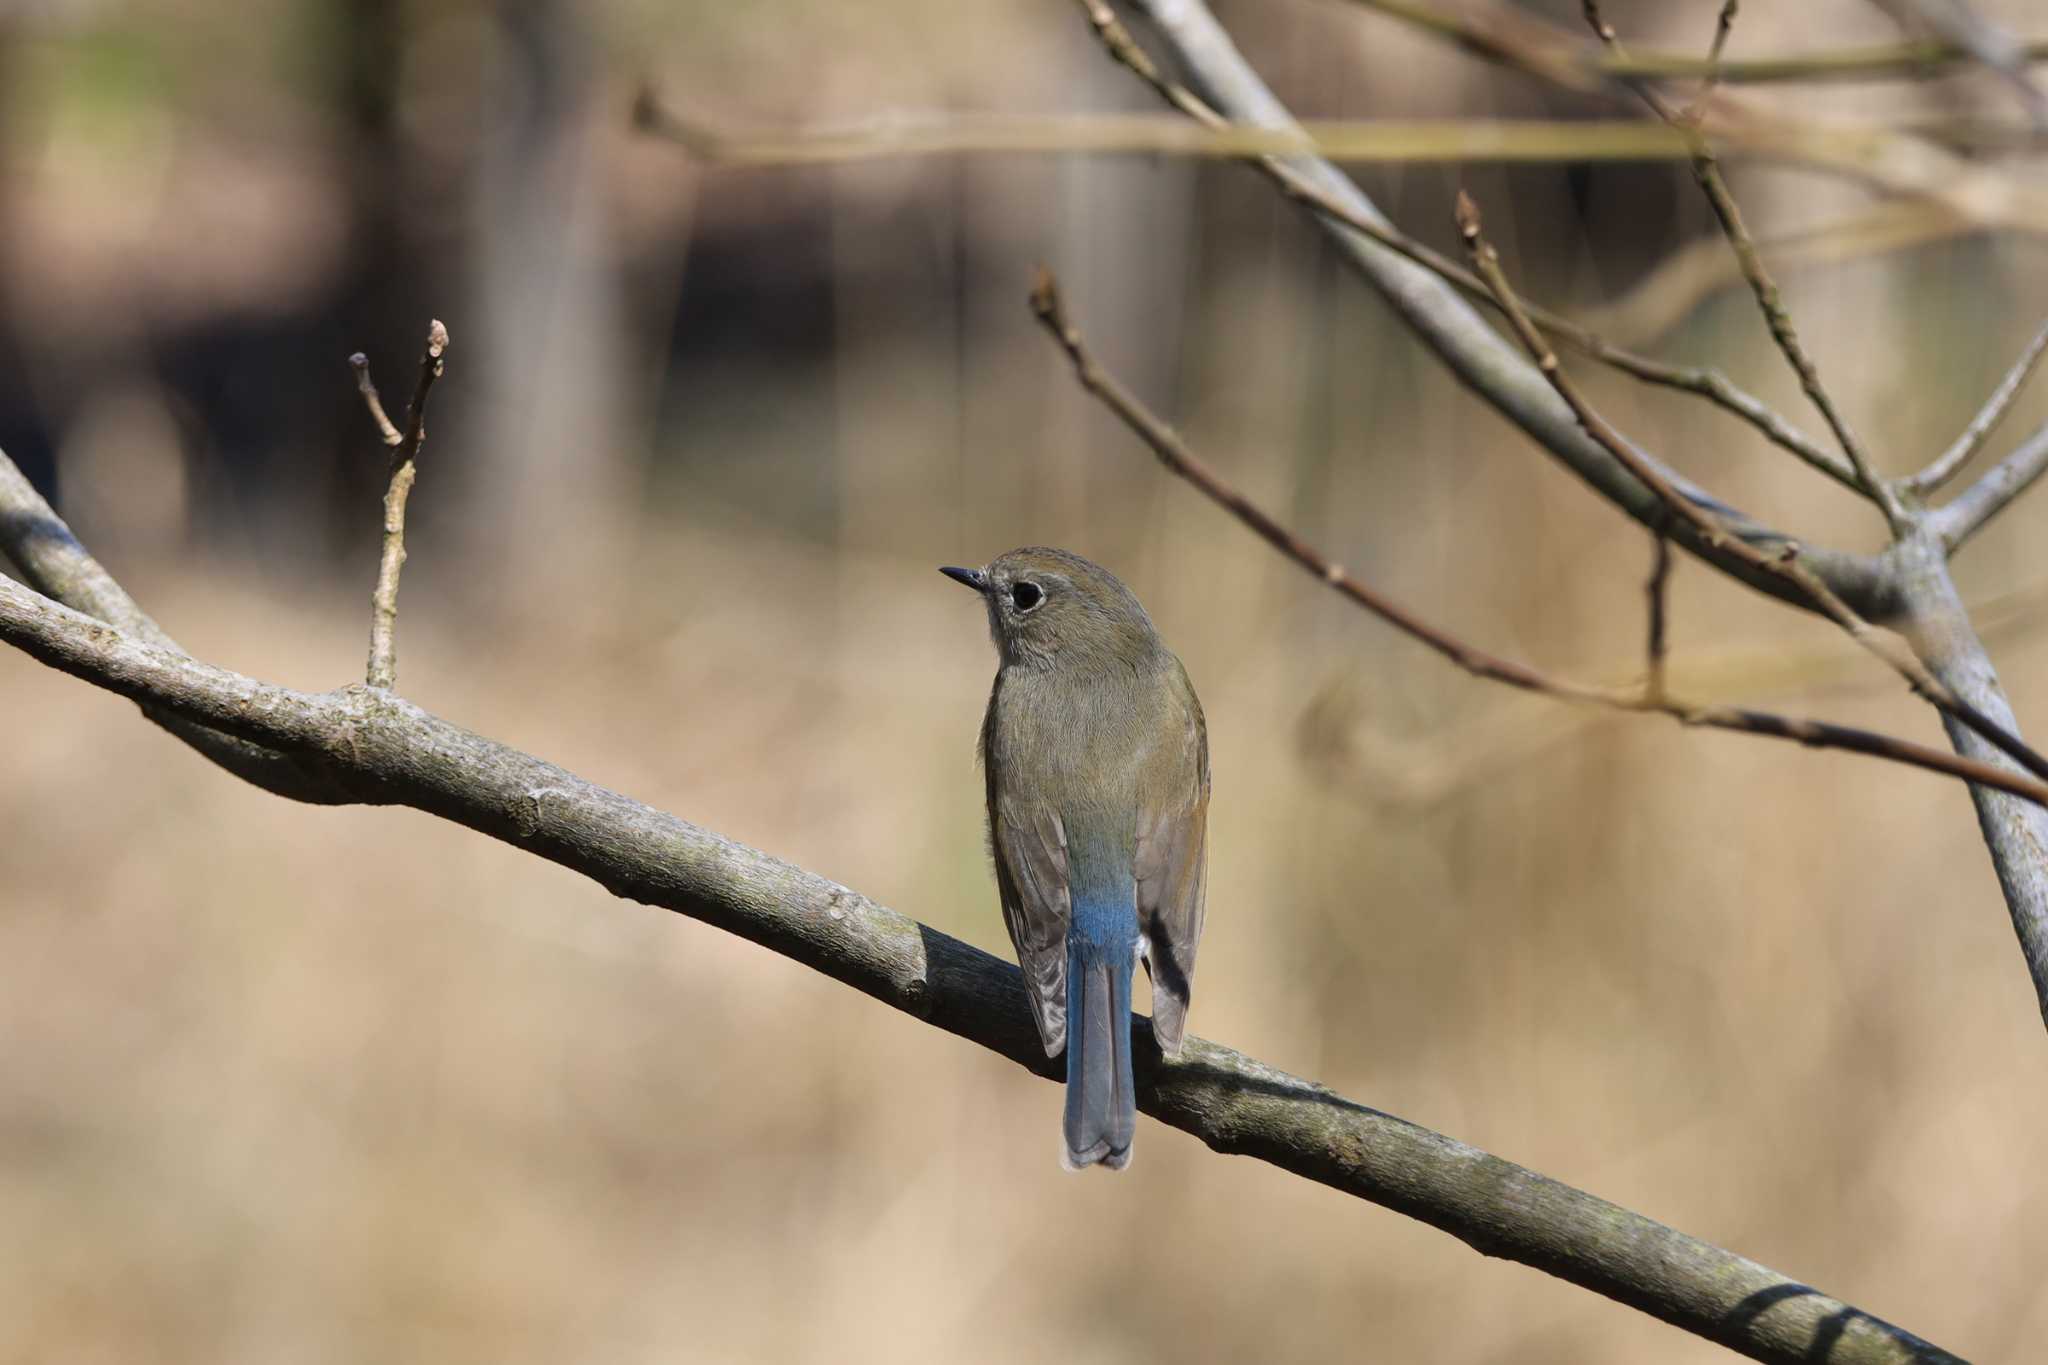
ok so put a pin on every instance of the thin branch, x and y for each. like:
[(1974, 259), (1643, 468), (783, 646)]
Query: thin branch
[(383, 666), (1981, 426), (1723, 26), (1706, 169), (1695, 114), (1476, 353), (1172, 451), (1976, 505), (1654, 688), (1708, 525), (400, 754), (360, 363)]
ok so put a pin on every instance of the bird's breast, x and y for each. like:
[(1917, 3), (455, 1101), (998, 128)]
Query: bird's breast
[(1076, 740)]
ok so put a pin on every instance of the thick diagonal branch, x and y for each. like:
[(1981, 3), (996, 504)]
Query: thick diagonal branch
[(392, 752)]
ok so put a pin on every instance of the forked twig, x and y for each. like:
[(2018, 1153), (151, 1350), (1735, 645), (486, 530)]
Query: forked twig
[(405, 448)]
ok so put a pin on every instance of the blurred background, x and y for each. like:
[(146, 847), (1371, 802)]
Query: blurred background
[(292, 1084)]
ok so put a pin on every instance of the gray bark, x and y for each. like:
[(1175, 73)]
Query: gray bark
[(2015, 832)]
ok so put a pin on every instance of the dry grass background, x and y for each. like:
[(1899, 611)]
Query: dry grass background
[(286, 1084)]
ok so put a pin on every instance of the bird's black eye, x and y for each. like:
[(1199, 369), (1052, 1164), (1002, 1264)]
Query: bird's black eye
[(1026, 595)]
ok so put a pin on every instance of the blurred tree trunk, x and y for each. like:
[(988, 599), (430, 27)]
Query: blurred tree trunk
[(547, 326)]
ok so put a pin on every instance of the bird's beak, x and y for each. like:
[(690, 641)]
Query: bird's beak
[(973, 578)]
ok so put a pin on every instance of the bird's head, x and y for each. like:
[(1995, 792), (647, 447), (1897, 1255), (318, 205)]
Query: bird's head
[(1049, 607)]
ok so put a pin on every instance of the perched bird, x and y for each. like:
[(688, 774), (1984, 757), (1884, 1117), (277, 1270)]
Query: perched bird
[(1098, 799)]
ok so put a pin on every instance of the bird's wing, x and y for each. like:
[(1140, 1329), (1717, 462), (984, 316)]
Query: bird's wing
[(1031, 872), (1171, 866), (1030, 845)]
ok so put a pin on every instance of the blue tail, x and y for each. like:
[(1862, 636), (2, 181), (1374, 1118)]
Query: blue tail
[(1102, 1106)]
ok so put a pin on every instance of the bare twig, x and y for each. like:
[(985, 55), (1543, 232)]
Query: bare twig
[(1707, 383), (1172, 451), (1709, 525), (1957, 521), (430, 370), (1706, 169), (1602, 30), (1660, 580), (404, 755), (1723, 26), (405, 448), (1981, 426), (360, 363)]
